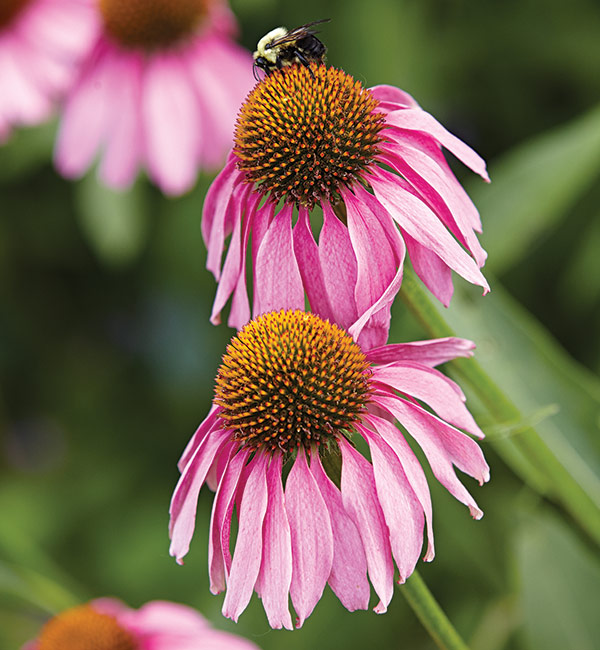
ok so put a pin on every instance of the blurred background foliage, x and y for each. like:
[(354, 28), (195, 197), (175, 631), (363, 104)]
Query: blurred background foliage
[(107, 358)]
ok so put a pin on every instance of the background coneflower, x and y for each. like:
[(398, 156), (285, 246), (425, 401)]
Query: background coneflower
[(158, 91)]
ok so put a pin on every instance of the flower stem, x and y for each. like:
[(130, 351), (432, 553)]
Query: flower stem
[(431, 614), (526, 453)]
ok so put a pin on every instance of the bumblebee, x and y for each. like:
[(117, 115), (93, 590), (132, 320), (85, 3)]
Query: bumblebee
[(281, 47)]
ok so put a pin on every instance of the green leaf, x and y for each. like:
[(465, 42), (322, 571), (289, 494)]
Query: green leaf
[(114, 223), (533, 187), (26, 150), (559, 587)]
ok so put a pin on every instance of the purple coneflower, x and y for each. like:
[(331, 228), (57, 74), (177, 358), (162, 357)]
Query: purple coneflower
[(159, 90), (41, 42), (372, 161), (108, 624), (298, 405)]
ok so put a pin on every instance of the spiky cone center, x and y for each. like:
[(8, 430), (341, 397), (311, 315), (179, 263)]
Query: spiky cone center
[(9, 9), (83, 628), (290, 379), (151, 24), (303, 133)]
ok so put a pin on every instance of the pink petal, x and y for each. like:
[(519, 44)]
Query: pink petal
[(185, 497), (219, 555), (428, 353), (277, 280), (374, 237), (401, 508), (235, 254), (205, 427), (339, 268), (312, 538), (431, 387), (124, 138), (275, 574), (248, 546), (419, 120), (444, 447), (172, 143), (85, 115), (433, 184), (240, 305), (412, 470), (435, 274), (359, 496), (307, 254), (214, 208), (348, 577), (421, 223), (392, 97), (161, 617)]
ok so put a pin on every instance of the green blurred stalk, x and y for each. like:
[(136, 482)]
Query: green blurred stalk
[(431, 614), (527, 453)]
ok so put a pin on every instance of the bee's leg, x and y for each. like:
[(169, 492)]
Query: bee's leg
[(304, 61)]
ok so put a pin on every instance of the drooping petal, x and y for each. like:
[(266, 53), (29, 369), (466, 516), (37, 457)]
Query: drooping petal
[(185, 497), (235, 254), (312, 538), (412, 470), (444, 447), (339, 267), (373, 233), (248, 546), (215, 207), (431, 387), (348, 577), (275, 574), (359, 496), (205, 427), (401, 507), (277, 280), (219, 555), (419, 120), (432, 182), (428, 353), (435, 274), (420, 222), (307, 254)]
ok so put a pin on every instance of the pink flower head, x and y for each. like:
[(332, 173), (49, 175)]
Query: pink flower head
[(297, 404), (41, 42), (107, 624), (159, 90), (372, 161)]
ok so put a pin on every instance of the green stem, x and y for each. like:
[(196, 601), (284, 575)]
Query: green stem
[(526, 453), (431, 614)]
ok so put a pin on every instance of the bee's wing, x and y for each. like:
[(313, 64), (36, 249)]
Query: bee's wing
[(297, 32)]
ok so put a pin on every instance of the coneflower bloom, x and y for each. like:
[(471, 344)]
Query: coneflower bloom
[(160, 90), (372, 160), (298, 403), (108, 624), (41, 42)]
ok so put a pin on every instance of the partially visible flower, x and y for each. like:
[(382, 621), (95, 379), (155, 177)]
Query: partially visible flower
[(297, 405), (108, 624), (373, 161), (41, 42), (159, 90)]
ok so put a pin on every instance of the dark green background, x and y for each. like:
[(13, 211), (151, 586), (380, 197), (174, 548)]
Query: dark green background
[(107, 358)]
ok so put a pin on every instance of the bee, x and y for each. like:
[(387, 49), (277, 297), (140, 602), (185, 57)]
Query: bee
[(281, 47)]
